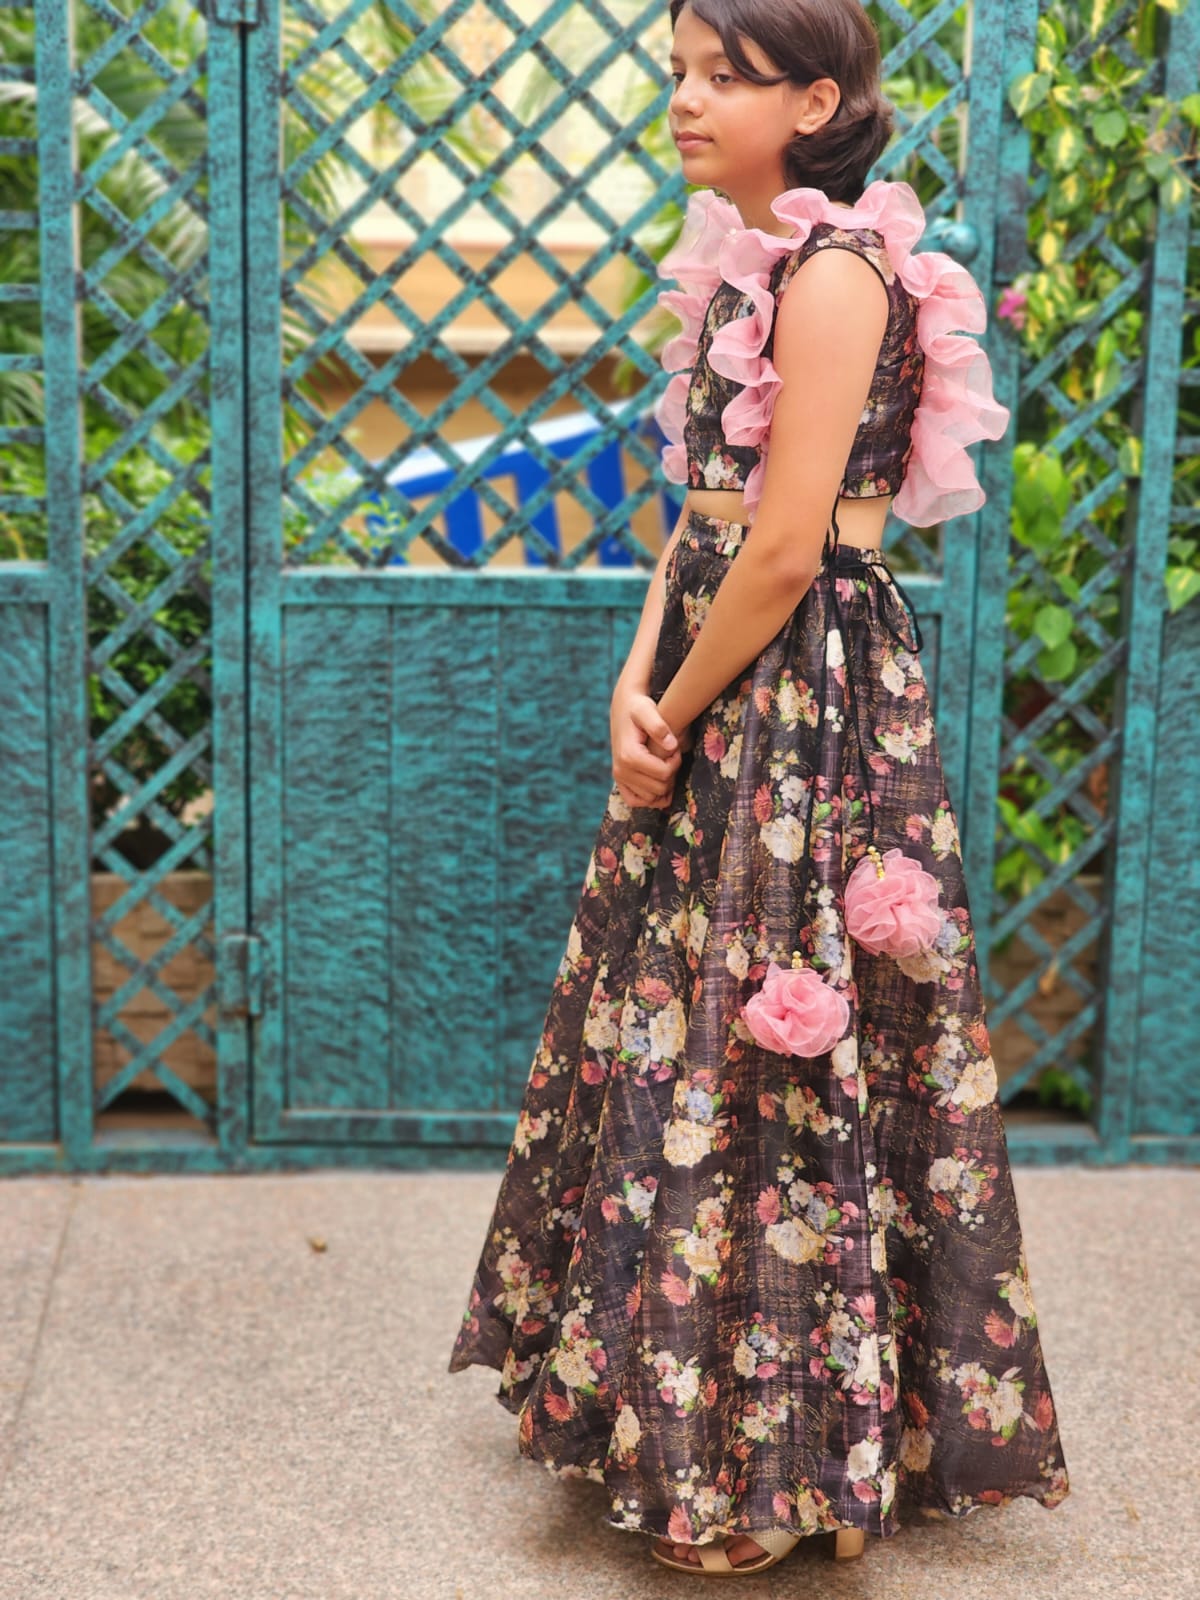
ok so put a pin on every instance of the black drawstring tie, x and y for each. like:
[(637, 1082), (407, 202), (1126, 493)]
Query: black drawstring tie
[(829, 553)]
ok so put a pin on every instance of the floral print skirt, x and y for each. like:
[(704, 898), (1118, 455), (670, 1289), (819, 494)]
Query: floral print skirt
[(743, 1289)]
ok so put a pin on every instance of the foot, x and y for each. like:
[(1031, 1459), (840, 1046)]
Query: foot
[(739, 1547)]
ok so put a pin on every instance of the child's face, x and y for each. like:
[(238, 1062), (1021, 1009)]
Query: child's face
[(746, 126)]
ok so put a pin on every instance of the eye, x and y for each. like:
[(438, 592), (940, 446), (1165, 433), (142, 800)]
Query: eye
[(718, 77)]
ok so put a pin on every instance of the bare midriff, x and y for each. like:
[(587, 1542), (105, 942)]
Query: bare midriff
[(860, 520)]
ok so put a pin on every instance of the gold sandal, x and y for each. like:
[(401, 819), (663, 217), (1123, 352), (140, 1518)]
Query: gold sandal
[(776, 1543)]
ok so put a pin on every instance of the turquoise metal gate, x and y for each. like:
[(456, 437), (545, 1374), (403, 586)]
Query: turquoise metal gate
[(400, 804)]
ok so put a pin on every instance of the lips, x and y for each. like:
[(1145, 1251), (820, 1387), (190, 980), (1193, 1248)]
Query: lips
[(691, 138)]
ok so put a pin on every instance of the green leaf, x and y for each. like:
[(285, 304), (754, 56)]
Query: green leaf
[(1059, 663), (1183, 584), (1174, 191), (1065, 147), (1028, 91), (1052, 624), (1071, 188), (1129, 456), (1110, 127), (1045, 530), (1101, 11), (1157, 164), (1051, 480), (1189, 108), (1105, 380)]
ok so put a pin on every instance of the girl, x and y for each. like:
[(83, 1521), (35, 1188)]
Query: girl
[(756, 1265)]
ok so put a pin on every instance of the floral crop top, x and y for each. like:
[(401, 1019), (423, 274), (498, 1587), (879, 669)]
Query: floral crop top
[(931, 394), (883, 442)]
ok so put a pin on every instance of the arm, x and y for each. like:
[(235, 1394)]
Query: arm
[(644, 776), (635, 674), (830, 324)]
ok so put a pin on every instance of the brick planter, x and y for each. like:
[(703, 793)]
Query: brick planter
[(144, 931), (1056, 1001)]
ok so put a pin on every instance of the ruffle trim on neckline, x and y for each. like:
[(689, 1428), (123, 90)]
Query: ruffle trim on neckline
[(957, 406)]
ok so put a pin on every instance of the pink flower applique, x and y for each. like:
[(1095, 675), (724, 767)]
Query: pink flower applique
[(796, 1012), (892, 904)]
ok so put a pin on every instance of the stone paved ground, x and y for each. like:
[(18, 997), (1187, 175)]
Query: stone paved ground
[(195, 1403)]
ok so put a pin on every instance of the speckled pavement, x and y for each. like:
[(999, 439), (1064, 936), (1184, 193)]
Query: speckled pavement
[(198, 1401)]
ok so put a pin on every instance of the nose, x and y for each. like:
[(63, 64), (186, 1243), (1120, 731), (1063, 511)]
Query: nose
[(684, 110), (683, 99)]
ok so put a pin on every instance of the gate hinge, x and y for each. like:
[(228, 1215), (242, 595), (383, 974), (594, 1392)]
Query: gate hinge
[(240, 975), (235, 13)]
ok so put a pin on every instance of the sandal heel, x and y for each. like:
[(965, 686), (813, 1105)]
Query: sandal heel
[(848, 1544)]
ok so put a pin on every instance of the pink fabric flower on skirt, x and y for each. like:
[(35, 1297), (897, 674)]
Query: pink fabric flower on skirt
[(892, 904), (796, 1012)]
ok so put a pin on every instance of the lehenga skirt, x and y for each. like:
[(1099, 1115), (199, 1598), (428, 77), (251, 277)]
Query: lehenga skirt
[(740, 1288)]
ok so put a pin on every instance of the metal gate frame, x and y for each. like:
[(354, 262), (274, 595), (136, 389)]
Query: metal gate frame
[(47, 1099)]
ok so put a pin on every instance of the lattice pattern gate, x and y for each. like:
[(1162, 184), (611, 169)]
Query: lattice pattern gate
[(287, 755)]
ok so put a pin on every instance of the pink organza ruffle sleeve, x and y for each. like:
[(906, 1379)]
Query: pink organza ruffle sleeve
[(692, 263), (957, 406)]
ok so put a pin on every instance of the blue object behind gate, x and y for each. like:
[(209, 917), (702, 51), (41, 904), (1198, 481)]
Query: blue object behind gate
[(426, 472)]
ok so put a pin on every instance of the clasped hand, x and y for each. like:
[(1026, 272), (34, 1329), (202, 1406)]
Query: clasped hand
[(646, 750)]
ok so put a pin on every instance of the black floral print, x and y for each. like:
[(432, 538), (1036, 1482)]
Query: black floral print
[(743, 1289)]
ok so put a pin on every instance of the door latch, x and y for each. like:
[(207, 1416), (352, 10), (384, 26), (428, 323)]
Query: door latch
[(240, 975)]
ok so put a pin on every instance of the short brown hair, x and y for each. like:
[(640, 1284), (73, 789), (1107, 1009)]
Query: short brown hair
[(809, 39)]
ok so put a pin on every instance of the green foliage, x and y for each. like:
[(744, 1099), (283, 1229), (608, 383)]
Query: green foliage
[(1103, 144), (1107, 145), (143, 651), (1058, 1087), (144, 478)]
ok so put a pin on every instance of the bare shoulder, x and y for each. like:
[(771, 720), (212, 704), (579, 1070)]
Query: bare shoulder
[(841, 286)]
